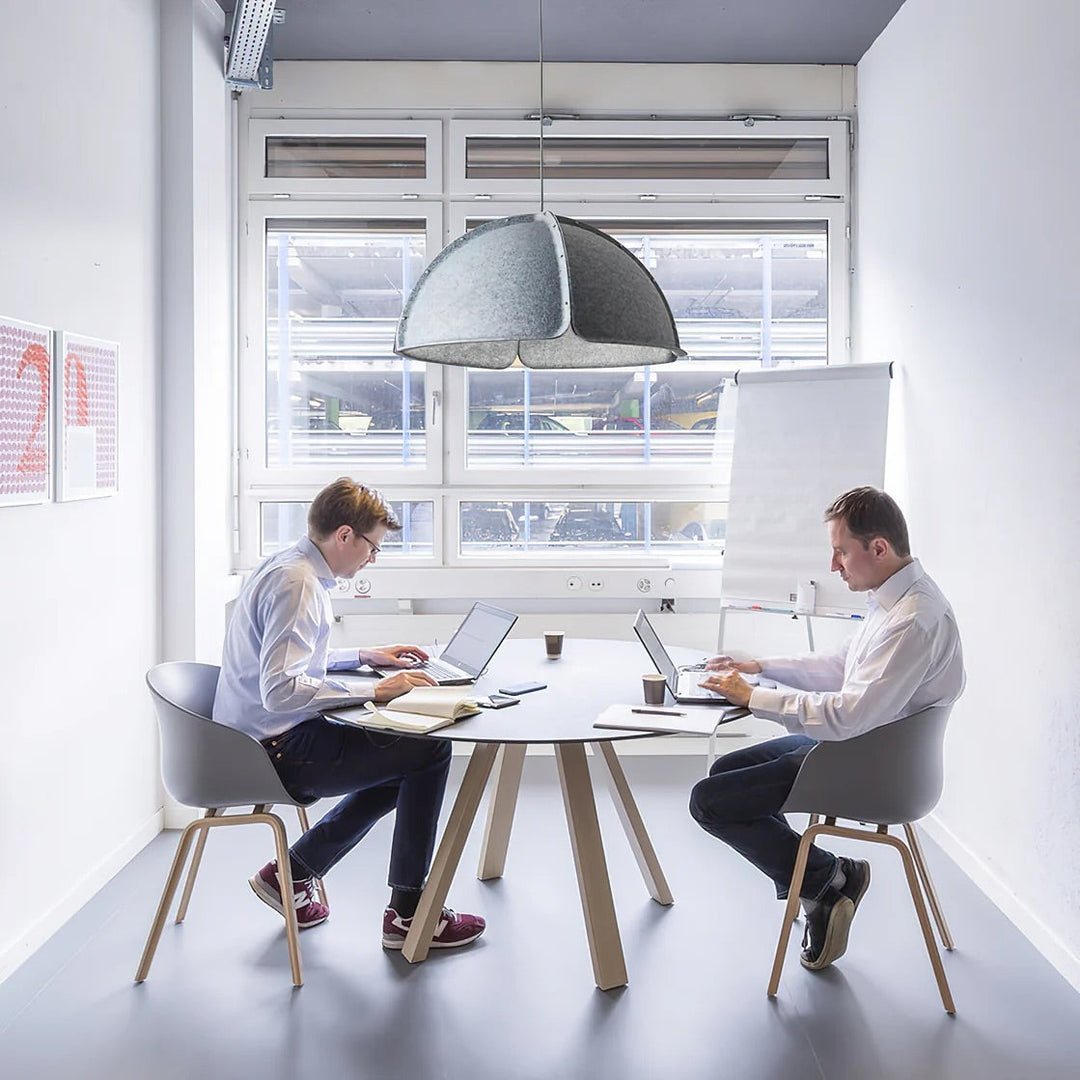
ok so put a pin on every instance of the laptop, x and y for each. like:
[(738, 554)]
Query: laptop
[(470, 650), (682, 682)]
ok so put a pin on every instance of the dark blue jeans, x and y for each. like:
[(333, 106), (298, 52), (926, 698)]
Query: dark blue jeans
[(739, 802), (376, 773)]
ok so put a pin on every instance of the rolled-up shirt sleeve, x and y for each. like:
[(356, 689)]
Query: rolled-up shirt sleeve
[(876, 688), (343, 659)]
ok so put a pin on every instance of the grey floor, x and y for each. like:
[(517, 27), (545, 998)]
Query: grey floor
[(521, 1003)]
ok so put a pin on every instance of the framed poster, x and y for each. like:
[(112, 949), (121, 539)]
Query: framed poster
[(86, 421), (26, 407)]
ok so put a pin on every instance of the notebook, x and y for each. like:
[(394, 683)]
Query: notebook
[(682, 682), (471, 648), (422, 709)]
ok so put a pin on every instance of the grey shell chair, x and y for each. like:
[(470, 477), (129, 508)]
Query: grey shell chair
[(214, 767), (891, 775)]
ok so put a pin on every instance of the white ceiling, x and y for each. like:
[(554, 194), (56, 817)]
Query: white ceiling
[(627, 31)]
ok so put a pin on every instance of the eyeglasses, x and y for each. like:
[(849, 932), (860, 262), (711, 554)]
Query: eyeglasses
[(375, 549)]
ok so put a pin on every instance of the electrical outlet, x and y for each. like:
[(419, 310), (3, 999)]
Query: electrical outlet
[(644, 585), (595, 584), (574, 583)]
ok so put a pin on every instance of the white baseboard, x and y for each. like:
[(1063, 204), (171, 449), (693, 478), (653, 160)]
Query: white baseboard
[(1023, 917), (47, 924)]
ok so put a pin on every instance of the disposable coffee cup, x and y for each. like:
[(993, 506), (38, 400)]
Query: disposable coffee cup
[(653, 687), (553, 640)]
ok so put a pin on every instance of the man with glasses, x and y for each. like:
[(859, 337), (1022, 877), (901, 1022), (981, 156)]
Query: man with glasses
[(276, 679)]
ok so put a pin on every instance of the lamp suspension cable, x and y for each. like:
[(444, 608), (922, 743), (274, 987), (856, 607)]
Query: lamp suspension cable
[(540, 5)]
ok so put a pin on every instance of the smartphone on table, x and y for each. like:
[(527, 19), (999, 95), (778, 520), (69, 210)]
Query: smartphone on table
[(499, 701)]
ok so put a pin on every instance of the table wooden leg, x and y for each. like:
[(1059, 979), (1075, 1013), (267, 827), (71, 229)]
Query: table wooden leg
[(601, 927), (429, 910), (500, 818), (634, 827)]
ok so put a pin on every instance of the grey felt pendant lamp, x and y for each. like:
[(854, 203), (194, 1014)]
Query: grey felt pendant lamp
[(548, 290), (545, 290)]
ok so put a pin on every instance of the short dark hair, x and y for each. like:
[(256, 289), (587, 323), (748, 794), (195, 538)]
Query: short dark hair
[(869, 513), (345, 502)]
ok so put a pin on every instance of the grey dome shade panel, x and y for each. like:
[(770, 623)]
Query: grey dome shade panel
[(552, 291)]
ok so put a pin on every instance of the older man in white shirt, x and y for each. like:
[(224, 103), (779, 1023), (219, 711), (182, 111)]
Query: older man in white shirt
[(905, 657), (276, 678)]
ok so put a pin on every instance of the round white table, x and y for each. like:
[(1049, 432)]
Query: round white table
[(590, 675)]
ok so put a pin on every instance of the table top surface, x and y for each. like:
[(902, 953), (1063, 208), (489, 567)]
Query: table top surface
[(592, 674)]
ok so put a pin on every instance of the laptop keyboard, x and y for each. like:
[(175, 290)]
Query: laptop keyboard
[(438, 670)]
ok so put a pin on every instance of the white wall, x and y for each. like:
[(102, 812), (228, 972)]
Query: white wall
[(967, 242), (700, 91), (79, 222), (196, 379)]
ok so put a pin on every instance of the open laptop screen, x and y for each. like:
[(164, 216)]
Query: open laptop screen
[(657, 653), (481, 632)]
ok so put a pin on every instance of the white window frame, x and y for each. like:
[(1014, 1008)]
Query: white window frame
[(836, 132), (635, 474), (258, 183), (445, 204), (259, 482)]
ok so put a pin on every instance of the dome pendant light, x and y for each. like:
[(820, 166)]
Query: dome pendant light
[(549, 291)]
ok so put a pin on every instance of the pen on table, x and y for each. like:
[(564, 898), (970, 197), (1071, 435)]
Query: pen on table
[(659, 712)]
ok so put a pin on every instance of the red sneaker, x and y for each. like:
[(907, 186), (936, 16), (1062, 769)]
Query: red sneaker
[(309, 912), (452, 930)]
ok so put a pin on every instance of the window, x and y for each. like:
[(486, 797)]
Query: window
[(282, 522), (612, 526), (744, 228), (335, 391)]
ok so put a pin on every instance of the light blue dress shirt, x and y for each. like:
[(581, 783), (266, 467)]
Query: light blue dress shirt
[(277, 648)]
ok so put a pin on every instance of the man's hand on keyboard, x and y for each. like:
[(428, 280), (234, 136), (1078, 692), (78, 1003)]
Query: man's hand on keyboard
[(393, 656), (395, 685)]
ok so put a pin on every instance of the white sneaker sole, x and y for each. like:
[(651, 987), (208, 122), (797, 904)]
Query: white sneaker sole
[(399, 942)]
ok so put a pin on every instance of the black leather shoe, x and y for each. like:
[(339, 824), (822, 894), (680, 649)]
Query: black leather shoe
[(857, 879), (827, 927), (826, 933)]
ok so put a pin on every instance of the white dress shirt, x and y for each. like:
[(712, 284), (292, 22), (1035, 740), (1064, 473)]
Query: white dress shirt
[(277, 648), (905, 657)]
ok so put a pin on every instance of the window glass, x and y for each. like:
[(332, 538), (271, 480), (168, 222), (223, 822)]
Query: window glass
[(504, 157), (745, 295), (283, 523), (353, 157), (548, 527), (334, 292), (594, 417)]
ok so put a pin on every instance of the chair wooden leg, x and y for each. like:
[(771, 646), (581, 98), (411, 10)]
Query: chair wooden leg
[(167, 895), (928, 885), (791, 909), (634, 827), (924, 923), (594, 885), (301, 813), (292, 931), (500, 818), (196, 859), (445, 863)]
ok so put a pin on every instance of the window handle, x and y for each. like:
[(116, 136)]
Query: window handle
[(436, 401)]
